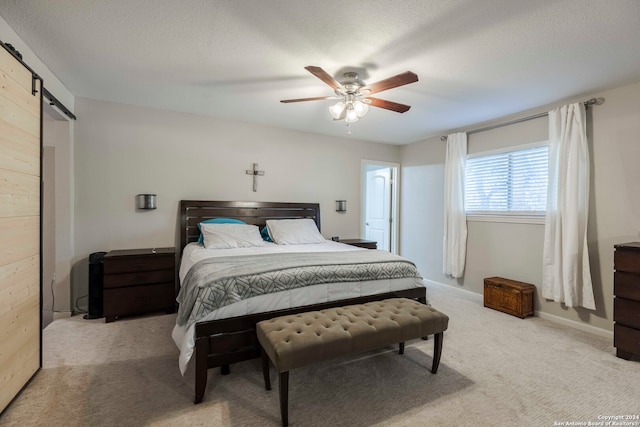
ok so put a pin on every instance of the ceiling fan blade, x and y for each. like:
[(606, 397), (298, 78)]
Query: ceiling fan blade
[(317, 98), (324, 76), (395, 81), (387, 105)]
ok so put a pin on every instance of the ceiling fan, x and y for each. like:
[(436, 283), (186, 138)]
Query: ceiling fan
[(354, 95)]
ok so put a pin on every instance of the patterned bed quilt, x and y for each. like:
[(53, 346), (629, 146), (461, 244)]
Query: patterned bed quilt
[(213, 283)]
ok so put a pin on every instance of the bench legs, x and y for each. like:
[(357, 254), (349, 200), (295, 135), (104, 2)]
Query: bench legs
[(437, 351), (283, 386), (265, 370), (284, 398), (284, 376)]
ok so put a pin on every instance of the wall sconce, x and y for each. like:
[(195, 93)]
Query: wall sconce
[(146, 201), (341, 206)]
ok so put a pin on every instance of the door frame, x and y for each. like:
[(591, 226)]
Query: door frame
[(395, 199)]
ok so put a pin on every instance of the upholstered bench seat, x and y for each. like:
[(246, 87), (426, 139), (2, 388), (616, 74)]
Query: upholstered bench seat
[(294, 341)]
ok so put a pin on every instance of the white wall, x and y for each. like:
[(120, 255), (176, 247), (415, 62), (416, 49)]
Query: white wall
[(122, 150), (515, 250)]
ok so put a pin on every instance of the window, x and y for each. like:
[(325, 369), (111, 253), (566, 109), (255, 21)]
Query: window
[(508, 183)]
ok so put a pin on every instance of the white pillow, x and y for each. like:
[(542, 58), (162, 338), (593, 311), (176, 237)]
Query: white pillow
[(294, 231), (227, 236)]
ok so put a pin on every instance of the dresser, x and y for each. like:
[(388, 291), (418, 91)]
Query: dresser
[(626, 304), (138, 281)]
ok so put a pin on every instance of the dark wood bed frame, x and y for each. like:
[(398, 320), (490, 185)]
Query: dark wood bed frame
[(226, 341)]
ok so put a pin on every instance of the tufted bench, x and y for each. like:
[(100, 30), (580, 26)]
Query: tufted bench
[(299, 340)]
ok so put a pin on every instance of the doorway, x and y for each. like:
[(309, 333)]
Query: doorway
[(57, 218), (380, 202)]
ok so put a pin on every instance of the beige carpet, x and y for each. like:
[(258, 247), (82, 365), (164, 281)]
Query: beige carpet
[(496, 370)]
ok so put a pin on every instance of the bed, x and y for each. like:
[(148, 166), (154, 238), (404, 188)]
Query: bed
[(226, 335)]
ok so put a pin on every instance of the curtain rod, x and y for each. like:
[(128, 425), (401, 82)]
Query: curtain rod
[(587, 103)]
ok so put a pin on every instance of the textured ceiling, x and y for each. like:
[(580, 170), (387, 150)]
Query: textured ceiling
[(476, 60)]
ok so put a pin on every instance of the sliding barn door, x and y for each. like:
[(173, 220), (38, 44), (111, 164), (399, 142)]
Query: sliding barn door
[(20, 265)]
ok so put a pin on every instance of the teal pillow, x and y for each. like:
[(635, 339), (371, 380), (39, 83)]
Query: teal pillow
[(217, 221), (265, 234)]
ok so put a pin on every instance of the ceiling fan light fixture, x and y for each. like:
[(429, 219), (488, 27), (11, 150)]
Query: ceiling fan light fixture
[(352, 115), (354, 94), (336, 110), (360, 108)]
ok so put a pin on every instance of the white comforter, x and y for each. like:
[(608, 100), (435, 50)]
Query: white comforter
[(193, 252)]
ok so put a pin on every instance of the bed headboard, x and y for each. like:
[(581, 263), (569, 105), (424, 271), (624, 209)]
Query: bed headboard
[(193, 212)]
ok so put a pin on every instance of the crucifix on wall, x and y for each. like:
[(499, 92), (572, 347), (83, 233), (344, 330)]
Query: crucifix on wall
[(256, 173)]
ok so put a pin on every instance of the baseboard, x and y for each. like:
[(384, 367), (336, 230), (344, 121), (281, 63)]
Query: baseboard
[(61, 314), (471, 294), (581, 326), (584, 327)]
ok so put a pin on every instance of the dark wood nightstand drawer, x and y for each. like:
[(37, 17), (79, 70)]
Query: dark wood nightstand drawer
[(138, 300), (626, 312), (626, 339), (626, 259), (626, 285), (128, 263), (138, 278)]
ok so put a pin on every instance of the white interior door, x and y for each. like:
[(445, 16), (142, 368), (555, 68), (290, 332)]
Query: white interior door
[(378, 207)]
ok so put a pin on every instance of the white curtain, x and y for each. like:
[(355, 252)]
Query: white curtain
[(455, 220), (566, 273)]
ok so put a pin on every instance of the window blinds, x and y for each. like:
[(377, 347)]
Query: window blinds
[(507, 183)]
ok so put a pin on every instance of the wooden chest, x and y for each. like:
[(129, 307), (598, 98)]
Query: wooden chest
[(509, 296)]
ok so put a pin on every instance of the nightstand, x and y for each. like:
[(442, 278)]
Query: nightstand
[(138, 281), (367, 244)]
